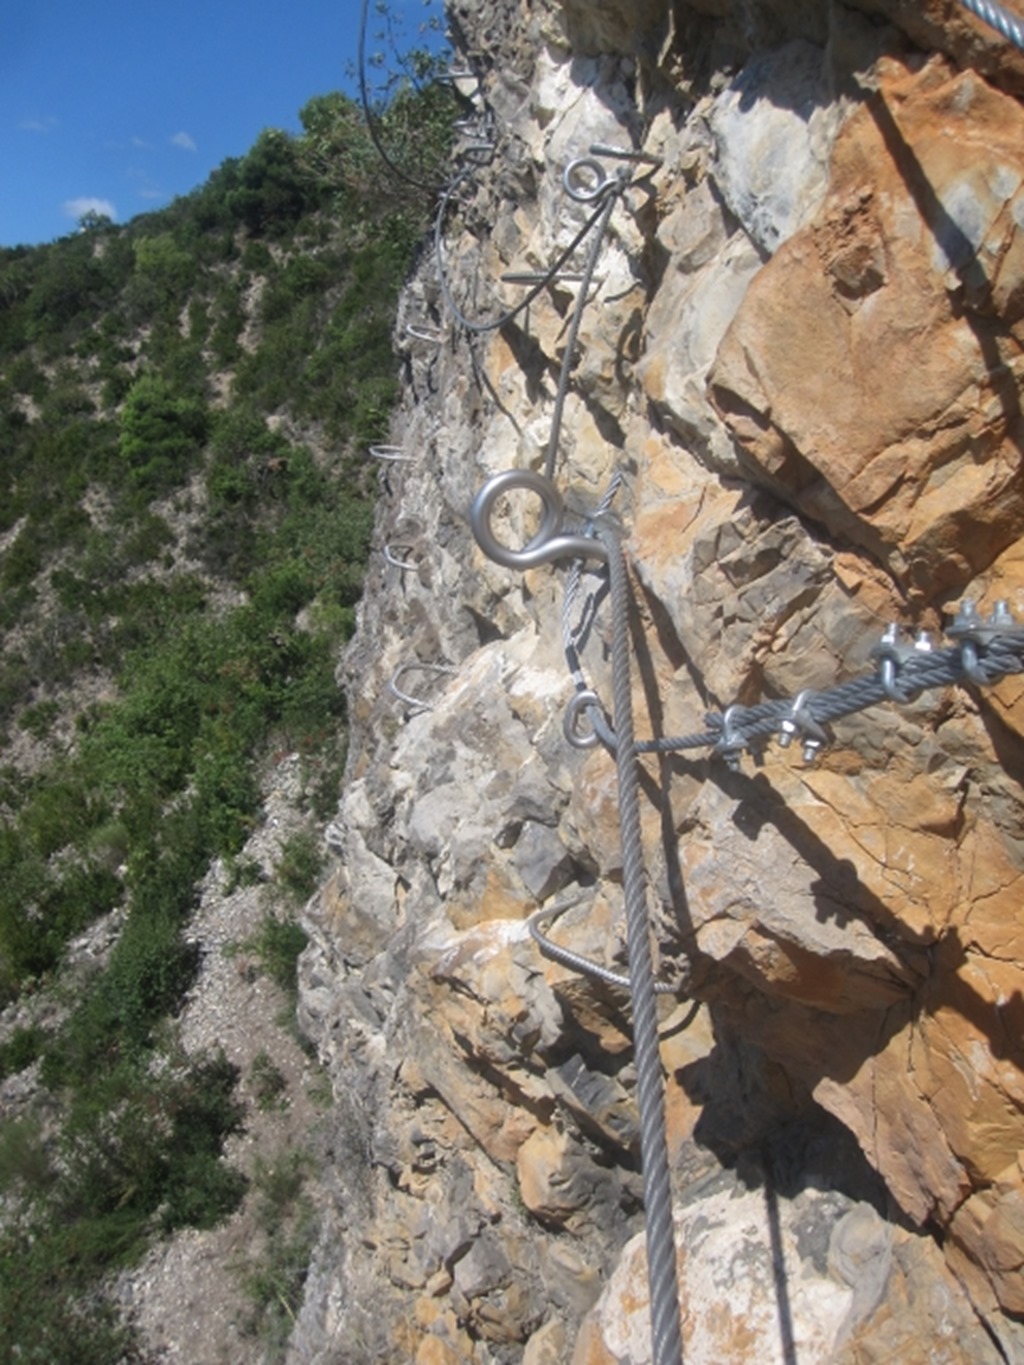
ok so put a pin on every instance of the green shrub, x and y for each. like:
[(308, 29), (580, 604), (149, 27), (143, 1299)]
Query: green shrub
[(278, 945), (299, 865)]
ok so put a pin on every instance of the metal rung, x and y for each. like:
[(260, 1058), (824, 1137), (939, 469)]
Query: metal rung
[(451, 77), (418, 333), (478, 126), (539, 276), (393, 454), (624, 154), (407, 697)]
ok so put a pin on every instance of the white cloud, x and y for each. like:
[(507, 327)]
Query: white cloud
[(141, 142), (88, 203), (38, 125), (184, 141)]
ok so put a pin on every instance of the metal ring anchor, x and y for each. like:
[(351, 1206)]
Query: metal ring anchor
[(550, 544), (586, 180)]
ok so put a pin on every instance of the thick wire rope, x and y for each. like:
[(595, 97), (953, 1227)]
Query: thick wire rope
[(371, 117), (740, 727), (481, 325), (998, 17), (600, 228), (940, 668), (666, 1335)]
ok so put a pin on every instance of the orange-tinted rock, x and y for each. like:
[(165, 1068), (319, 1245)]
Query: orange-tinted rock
[(915, 253)]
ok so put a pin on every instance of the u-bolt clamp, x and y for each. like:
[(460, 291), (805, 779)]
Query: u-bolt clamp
[(892, 654), (972, 632), (801, 723), (550, 544), (731, 744)]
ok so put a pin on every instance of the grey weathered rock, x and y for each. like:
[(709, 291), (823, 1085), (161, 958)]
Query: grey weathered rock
[(800, 352)]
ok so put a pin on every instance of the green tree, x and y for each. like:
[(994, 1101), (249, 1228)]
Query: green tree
[(161, 434)]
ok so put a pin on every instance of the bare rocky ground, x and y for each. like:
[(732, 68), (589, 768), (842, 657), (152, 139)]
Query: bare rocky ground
[(187, 1300)]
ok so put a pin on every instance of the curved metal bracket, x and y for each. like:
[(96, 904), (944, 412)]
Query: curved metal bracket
[(408, 697), (424, 333), (397, 563), (550, 544)]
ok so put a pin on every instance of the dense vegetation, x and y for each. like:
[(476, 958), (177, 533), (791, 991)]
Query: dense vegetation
[(184, 516)]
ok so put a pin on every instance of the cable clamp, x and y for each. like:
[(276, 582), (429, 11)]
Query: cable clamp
[(893, 656), (976, 635), (800, 724), (731, 744)]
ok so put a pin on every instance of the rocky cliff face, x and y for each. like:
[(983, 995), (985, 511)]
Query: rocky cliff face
[(801, 354)]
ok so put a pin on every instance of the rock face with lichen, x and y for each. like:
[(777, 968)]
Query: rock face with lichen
[(801, 356)]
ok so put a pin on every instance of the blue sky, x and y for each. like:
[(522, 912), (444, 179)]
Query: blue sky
[(122, 105)]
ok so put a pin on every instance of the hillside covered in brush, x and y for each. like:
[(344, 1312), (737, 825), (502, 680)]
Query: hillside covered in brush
[(185, 507)]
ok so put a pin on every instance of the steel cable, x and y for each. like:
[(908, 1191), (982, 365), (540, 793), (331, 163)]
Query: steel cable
[(481, 325), (600, 228), (371, 118), (666, 1335), (918, 672), (998, 17)]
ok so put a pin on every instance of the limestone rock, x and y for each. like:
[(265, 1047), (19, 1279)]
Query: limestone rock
[(800, 355), (913, 246), (773, 129)]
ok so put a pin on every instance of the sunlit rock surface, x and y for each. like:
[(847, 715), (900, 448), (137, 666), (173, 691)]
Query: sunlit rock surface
[(801, 354)]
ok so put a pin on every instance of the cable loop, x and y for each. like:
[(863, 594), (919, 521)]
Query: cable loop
[(586, 703), (576, 962)]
